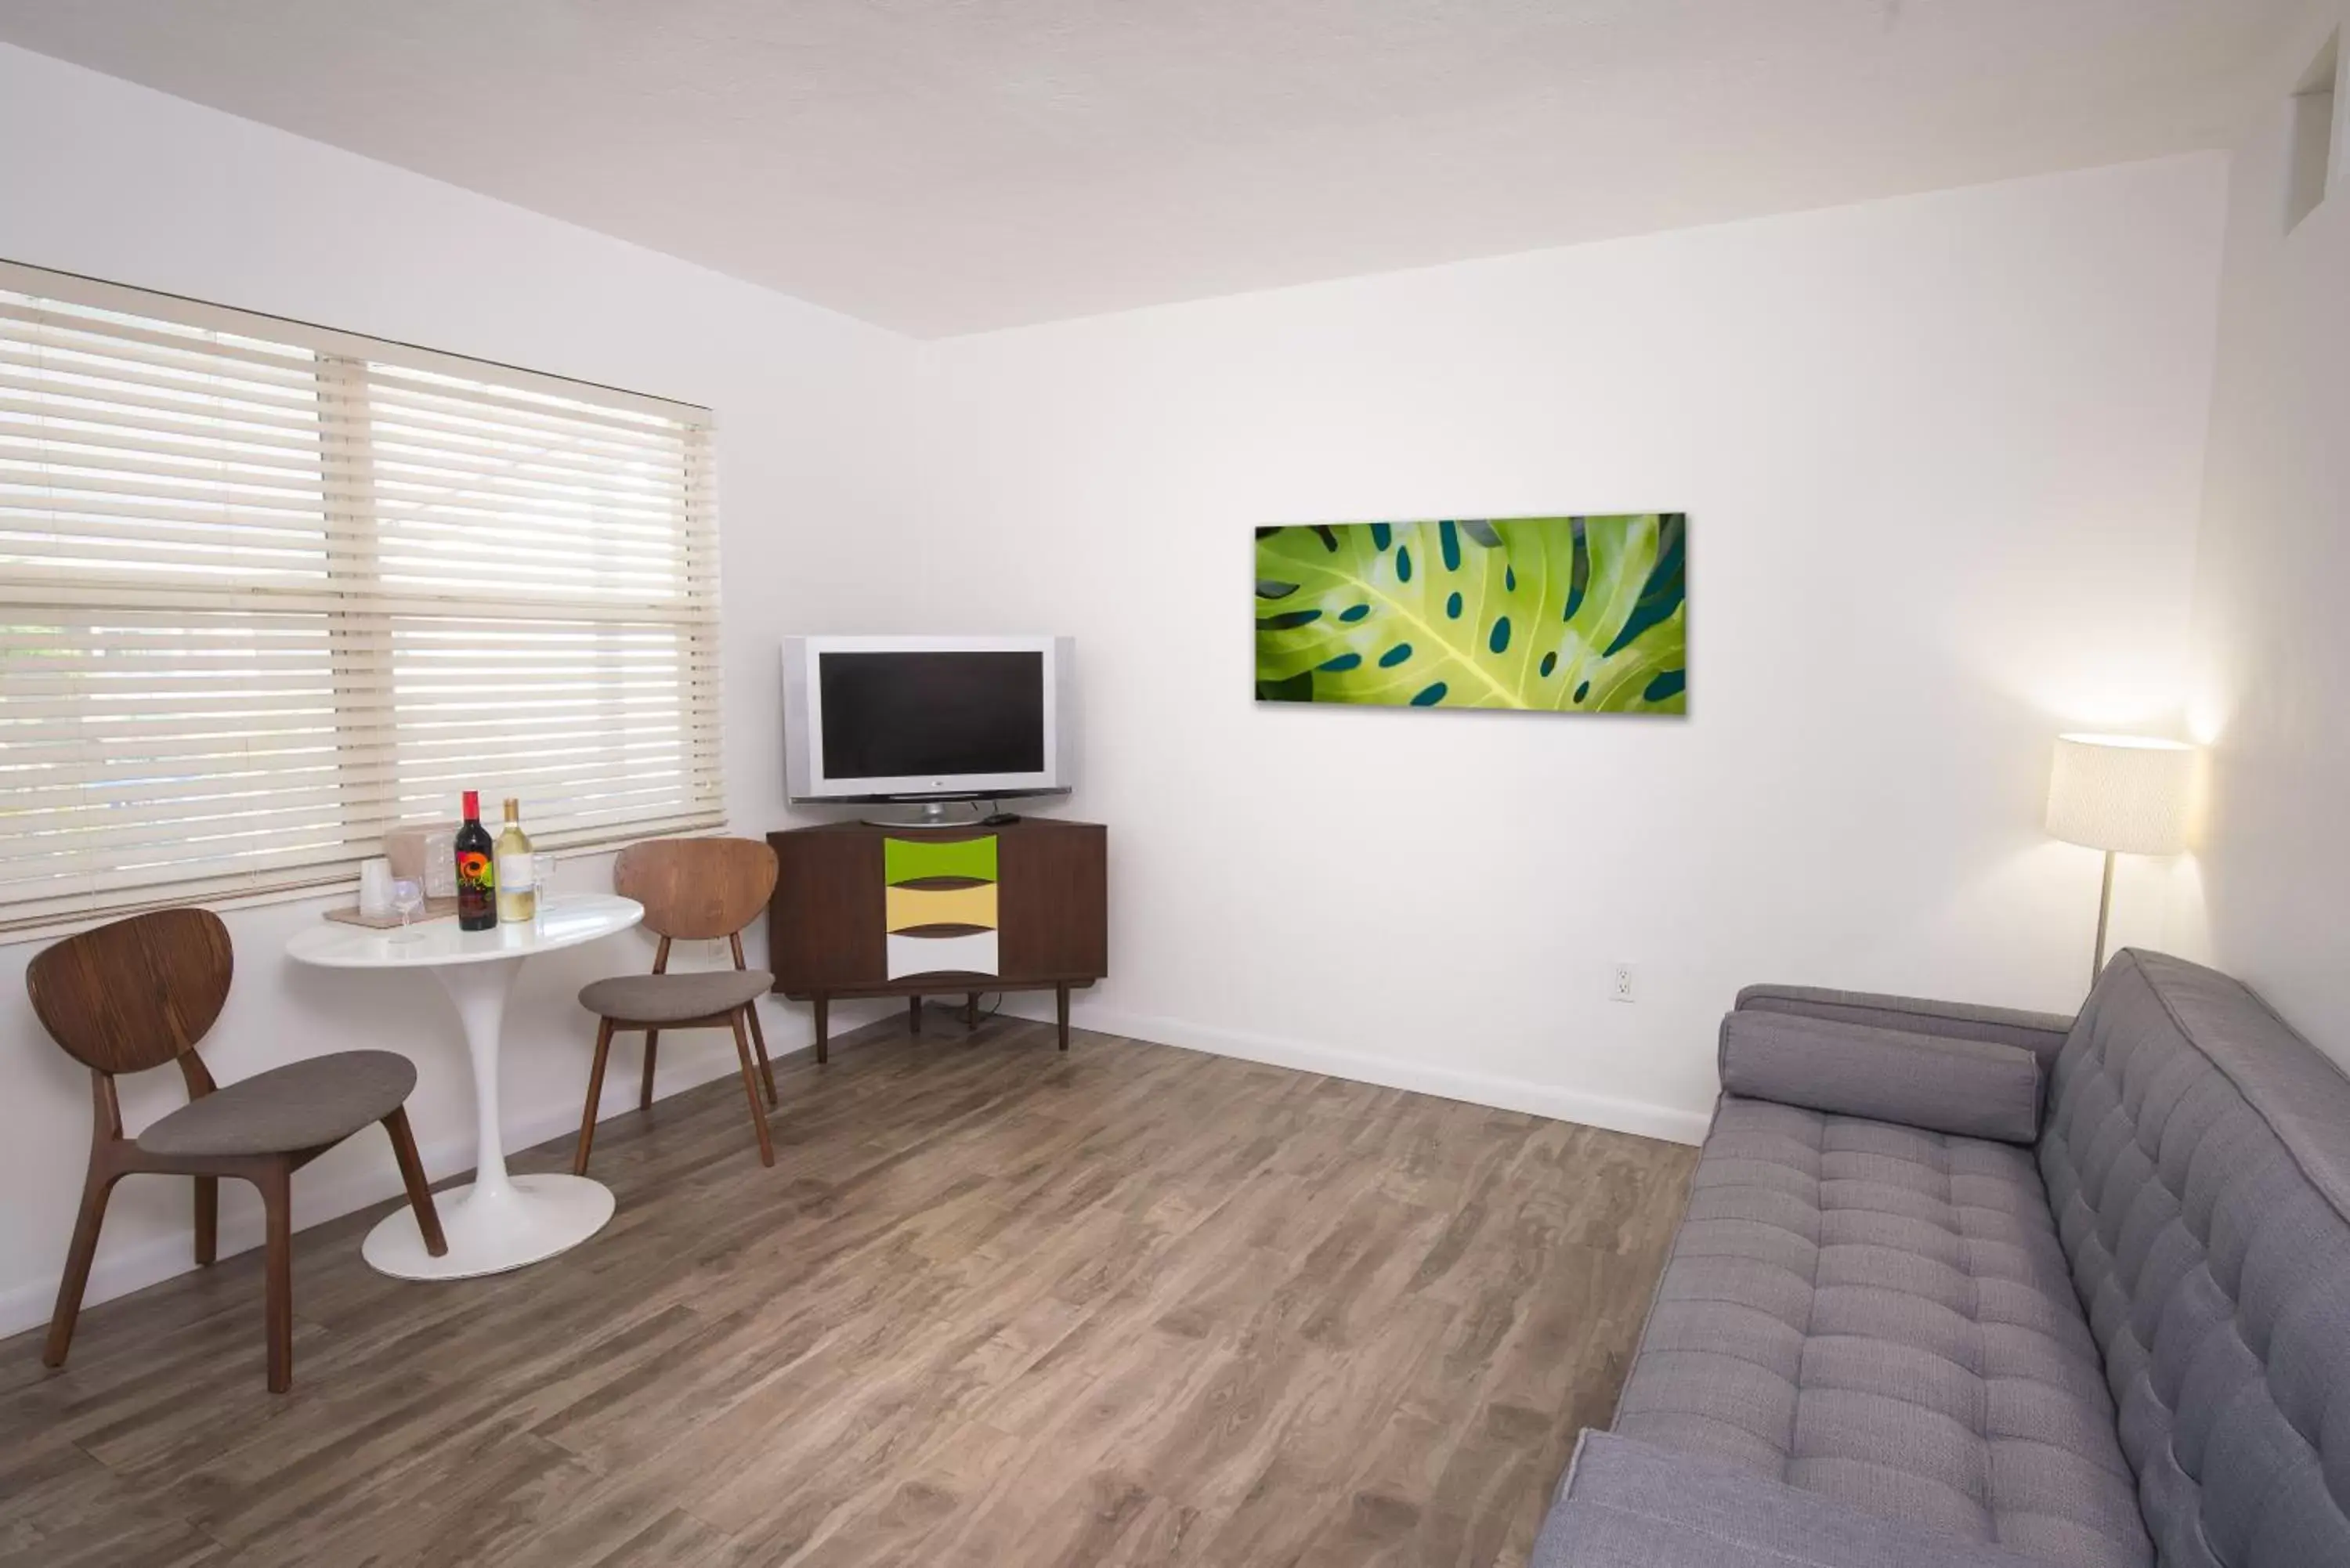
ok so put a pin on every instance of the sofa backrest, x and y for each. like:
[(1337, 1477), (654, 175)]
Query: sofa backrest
[(2196, 1155)]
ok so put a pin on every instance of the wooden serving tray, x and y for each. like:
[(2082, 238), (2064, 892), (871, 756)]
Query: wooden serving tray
[(434, 909)]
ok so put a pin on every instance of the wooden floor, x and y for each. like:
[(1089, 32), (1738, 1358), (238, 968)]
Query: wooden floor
[(993, 1306)]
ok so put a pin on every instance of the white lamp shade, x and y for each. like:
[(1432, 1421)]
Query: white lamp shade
[(2125, 793)]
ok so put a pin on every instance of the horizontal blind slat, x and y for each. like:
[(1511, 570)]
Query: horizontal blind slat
[(32, 588), (251, 814), (23, 319), (85, 528), (175, 415), (263, 499), (146, 427), (398, 392), (49, 443), (465, 452), (98, 381)]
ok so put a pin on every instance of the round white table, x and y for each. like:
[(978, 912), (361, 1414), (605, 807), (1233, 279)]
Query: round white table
[(499, 1222)]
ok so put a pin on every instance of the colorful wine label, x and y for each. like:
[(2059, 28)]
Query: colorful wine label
[(475, 869)]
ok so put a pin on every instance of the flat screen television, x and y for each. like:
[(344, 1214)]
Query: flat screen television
[(927, 718)]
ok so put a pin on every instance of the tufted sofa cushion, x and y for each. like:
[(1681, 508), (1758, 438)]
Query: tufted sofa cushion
[(1884, 1316), (2198, 1155)]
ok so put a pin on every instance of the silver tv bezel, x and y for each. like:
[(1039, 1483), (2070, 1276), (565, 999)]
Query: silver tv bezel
[(805, 781)]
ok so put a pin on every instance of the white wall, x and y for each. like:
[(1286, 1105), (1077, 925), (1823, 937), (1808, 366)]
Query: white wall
[(119, 182), (2273, 635), (1941, 458)]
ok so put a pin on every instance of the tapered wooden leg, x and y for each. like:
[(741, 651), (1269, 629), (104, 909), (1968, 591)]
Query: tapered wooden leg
[(759, 1045), (1060, 1007), (277, 1210), (596, 1094), (411, 1174), (822, 1045), (94, 1193), (914, 1014), (751, 1090), (652, 1051), (207, 1220), (970, 1011)]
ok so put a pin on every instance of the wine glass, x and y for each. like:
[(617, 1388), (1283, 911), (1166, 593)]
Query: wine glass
[(407, 897)]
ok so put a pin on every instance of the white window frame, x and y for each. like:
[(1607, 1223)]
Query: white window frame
[(368, 609)]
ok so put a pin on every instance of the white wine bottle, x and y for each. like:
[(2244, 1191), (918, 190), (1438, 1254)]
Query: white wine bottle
[(517, 886)]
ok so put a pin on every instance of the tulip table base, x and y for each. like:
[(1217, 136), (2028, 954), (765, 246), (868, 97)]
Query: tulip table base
[(501, 1222), (523, 1220)]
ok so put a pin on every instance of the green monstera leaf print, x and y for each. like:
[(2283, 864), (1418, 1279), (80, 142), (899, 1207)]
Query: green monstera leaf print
[(1577, 615)]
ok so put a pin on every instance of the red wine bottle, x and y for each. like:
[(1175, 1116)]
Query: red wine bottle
[(477, 878)]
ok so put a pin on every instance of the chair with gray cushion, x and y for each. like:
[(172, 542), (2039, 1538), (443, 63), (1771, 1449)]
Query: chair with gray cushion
[(1912, 1318), (693, 890), (140, 993)]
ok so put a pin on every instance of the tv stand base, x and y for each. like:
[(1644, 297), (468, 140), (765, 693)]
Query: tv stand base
[(820, 1002), (867, 911)]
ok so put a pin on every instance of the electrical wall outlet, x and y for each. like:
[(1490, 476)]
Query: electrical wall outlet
[(1622, 985)]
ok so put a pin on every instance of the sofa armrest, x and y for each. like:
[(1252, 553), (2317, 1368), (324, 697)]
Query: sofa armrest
[(1971, 1088), (2042, 1034), (1628, 1504)]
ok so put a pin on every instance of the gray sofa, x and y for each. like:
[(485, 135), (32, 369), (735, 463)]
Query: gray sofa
[(1961, 1287)]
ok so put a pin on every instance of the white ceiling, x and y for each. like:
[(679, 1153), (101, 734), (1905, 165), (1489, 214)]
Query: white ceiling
[(946, 166)]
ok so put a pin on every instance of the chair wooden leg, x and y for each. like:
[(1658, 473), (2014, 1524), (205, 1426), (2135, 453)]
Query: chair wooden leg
[(207, 1220), (411, 1173), (94, 1191), (759, 1047), (1061, 1009), (750, 1089), (914, 1014), (645, 1089), (823, 1044), (596, 1094), (276, 1185)]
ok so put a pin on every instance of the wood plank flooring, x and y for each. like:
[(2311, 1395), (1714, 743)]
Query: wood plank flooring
[(992, 1306)]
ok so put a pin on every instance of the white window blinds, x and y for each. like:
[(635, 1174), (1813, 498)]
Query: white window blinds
[(268, 589)]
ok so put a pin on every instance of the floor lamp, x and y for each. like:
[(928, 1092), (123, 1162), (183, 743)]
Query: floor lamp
[(2126, 794)]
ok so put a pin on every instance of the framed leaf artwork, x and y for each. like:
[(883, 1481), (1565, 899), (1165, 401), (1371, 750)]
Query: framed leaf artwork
[(1556, 615)]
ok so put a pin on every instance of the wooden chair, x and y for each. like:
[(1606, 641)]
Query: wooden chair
[(693, 890), (140, 993)]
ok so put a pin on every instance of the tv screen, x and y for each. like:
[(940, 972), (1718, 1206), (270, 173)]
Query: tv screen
[(932, 715)]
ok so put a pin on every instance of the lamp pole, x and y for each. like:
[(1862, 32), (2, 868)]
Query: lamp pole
[(2105, 908)]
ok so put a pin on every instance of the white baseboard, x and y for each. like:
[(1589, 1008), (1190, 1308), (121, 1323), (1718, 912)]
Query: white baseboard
[(1552, 1100)]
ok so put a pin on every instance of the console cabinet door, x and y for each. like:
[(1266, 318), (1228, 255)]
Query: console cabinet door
[(827, 916), (1055, 901)]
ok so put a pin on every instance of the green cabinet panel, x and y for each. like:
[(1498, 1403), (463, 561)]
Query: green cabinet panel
[(914, 859)]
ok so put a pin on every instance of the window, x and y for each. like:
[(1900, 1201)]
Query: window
[(268, 589)]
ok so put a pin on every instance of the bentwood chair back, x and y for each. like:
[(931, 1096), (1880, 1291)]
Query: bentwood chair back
[(693, 890), (140, 993)]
